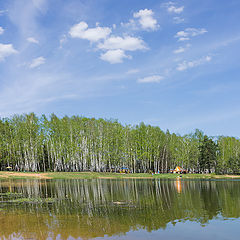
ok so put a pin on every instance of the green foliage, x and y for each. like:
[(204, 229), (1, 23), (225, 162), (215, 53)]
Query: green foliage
[(208, 154), (73, 144)]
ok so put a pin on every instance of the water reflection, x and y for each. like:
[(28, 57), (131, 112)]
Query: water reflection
[(46, 209), (178, 185)]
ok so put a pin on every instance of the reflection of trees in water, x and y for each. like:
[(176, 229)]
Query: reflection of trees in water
[(93, 208)]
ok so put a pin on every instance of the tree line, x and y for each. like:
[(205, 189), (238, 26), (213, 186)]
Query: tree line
[(32, 143)]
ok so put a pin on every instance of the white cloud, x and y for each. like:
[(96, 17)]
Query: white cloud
[(189, 32), (171, 8), (150, 79), (186, 65), (82, 31), (178, 20), (181, 49), (1, 30), (114, 56), (132, 71), (132, 24), (181, 39), (32, 40), (37, 62), (24, 15), (6, 50), (115, 46), (126, 43), (146, 19), (62, 40)]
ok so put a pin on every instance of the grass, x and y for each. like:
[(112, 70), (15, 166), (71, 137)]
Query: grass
[(94, 175)]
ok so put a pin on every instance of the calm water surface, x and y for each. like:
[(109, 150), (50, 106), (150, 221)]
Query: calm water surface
[(119, 209)]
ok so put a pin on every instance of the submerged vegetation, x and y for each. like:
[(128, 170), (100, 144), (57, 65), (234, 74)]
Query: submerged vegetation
[(30, 143)]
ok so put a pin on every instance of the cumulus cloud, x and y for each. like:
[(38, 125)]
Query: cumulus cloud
[(181, 49), (150, 79), (37, 62), (114, 47), (114, 56), (189, 32), (186, 65), (146, 19), (1, 30), (32, 40), (82, 31), (125, 43), (6, 50)]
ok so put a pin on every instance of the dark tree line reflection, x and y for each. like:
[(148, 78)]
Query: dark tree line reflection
[(101, 207)]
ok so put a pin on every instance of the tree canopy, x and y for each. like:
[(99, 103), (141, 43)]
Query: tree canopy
[(32, 143)]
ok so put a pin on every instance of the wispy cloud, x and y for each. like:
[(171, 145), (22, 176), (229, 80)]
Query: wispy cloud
[(37, 62), (133, 71), (1, 30), (191, 64), (2, 12), (178, 20), (40, 4), (62, 40), (6, 50), (181, 49), (32, 40), (24, 15), (150, 79), (29, 92), (172, 8), (189, 32)]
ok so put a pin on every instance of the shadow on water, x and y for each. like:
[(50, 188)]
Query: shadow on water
[(52, 209)]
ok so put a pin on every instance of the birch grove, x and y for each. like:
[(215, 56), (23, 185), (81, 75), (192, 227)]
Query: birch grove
[(32, 143)]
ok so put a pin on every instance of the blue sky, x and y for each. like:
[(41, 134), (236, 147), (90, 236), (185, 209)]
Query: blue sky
[(172, 64)]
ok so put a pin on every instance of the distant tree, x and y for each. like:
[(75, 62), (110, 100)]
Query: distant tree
[(207, 154)]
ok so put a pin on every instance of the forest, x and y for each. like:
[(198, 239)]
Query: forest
[(70, 144)]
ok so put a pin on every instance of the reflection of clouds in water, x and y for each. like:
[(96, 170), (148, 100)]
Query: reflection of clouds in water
[(105, 207)]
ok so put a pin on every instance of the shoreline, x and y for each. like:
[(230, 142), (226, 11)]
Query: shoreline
[(95, 175)]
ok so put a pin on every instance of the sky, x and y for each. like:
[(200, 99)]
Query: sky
[(172, 64)]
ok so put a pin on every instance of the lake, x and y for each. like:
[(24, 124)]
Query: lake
[(120, 209)]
